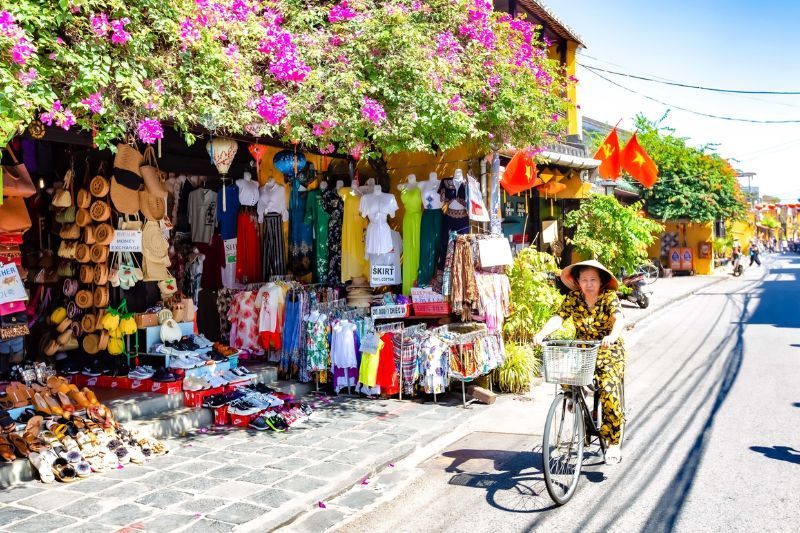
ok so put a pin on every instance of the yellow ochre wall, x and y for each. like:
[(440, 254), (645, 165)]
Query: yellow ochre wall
[(695, 234)]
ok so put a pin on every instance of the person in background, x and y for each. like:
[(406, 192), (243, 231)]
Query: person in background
[(754, 252)]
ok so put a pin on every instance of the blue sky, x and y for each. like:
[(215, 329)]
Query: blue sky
[(735, 44)]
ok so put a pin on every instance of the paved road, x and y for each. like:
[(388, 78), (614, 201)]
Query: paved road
[(714, 406)]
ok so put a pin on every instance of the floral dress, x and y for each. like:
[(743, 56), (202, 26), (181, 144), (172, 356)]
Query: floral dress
[(317, 347), (334, 206), (594, 324)]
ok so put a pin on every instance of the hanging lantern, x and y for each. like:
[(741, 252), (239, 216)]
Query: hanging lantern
[(257, 151), (289, 163), (222, 151)]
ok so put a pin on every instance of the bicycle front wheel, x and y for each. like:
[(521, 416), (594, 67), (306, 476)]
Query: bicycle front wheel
[(650, 271), (562, 449)]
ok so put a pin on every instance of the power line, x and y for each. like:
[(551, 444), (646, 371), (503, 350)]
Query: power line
[(692, 111), (688, 86)]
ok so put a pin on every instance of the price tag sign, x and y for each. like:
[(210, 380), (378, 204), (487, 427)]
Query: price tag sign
[(11, 287), (381, 275), (389, 311), (230, 251), (126, 240)]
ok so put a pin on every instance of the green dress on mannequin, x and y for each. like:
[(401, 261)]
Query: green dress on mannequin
[(412, 220), (317, 218)]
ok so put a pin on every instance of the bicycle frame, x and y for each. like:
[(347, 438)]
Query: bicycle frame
[(591, 426)]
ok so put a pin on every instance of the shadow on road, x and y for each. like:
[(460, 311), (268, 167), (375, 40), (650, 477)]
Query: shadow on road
[(517, 483), (779, 453), (775, 294)]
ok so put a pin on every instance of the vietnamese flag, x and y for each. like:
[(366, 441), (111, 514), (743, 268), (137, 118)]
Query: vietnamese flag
[(638, 164), (520, 174), (608, 153)]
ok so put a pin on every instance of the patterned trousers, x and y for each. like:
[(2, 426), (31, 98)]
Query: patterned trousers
[(608, 374)]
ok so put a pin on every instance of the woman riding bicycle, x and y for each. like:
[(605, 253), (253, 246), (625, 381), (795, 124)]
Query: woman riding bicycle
[(596, 312)]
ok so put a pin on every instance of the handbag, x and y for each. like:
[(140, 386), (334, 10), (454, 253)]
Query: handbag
[(66, 215), (17, 181), (14, 325), (14, 216), (62, 197)]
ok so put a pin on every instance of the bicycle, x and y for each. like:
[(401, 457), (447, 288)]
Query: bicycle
[(569, 425), (650, 271)]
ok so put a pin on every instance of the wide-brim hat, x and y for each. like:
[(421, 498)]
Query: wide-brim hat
[(572, 283), (125, 197), (358, 282)]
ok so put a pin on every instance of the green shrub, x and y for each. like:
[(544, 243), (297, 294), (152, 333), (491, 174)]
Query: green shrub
[(522, 364)]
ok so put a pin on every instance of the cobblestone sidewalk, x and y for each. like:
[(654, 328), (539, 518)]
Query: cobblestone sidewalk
[(226, 479)]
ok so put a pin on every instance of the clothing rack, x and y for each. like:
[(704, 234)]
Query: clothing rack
[(282, 277), (459, 340)]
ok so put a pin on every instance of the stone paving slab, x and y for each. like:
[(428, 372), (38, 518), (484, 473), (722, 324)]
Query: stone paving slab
[(225, 479)]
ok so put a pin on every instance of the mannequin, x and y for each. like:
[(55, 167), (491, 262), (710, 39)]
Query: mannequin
[(323, 185), (411, 182), (248, 189), (339, 184), (430, 239), (453, 193), (411, 196), (458, 181), (272, 212), (377, 206)]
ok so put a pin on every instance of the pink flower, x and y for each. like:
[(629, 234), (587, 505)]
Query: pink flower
[(22, 51), (94, 102), (8, 24), (327, 149), (59, 40), (355, 151), (149, 131), (322, 128), (257, 84), (273, 108), (59, 116), (372, 111), (26, 78), (232, 50), (455, 103), (341, 12), (447, 47), (119, 35), (335, 40), (99, 24)]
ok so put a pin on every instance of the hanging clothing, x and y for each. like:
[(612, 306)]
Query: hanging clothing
[(274, 262), (202, 212), (270, 302), (455, 218), (493, 299), (228, 216), (334, 207), (344, 365), (182, 224), (300, 234), (243, 316), (390, 259), (430, 246), (214, 262), (378, 206), (412, 219), (353, 227), (433, 357), (317, 344), (388, 379), (248, 248), (248, 191), (317, 217), (292, 327), (272, 199), (368, 370), (464, 290)]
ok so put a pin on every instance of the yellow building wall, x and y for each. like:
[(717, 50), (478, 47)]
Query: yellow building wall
[(696, 233), (573, 118), (742, 231)]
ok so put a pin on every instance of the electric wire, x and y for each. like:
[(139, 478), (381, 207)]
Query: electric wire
[(692, 111)]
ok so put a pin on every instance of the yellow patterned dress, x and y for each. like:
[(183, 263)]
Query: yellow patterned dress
[(594, 324)]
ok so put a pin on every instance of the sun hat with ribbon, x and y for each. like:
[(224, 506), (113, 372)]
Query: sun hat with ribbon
[(125, 197), (572, 282)]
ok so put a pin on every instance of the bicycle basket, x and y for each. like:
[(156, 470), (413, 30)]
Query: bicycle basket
[(569, 362)]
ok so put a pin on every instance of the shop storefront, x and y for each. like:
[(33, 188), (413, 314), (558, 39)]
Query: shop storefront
[(183, 270)]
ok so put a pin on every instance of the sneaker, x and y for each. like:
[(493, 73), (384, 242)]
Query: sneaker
[(259, 424), (243, 407), (242, 371), (613, 454), (91, 372)]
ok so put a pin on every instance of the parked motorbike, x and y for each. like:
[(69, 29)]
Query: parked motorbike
[(738, 267), (635, 282)]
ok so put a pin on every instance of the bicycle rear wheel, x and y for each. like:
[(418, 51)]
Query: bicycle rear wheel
[(562, 449), (650, 271)]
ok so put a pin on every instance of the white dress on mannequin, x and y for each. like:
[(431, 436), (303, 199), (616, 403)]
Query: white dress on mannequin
[(377, 206), (248, 190)]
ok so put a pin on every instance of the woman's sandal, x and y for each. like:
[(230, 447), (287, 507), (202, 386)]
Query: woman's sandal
[(63, 470), (20, 445), (42, 464), (90, 397), (6, 449)]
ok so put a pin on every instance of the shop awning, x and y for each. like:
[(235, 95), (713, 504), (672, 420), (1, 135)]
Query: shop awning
[(570, 161)]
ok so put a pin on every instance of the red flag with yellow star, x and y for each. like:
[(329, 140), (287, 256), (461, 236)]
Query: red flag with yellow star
[(608, 153), (638, 164), (520, 174)]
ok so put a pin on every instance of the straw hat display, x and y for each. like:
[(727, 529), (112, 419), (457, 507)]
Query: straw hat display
[(359, 293), (155, 253)]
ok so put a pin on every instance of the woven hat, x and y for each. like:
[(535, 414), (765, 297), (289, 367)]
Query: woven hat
[(125, 198), (154, 246), (153, 207), (572, 283), (104, 234), (127, 162), (91, 342), (99, 186), (358, 282)]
